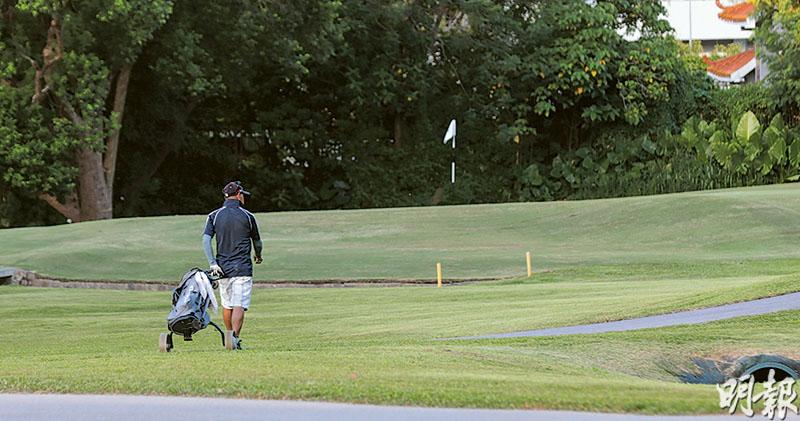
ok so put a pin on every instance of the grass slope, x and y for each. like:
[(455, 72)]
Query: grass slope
[(699, 228), (613, 259), (376, 345)]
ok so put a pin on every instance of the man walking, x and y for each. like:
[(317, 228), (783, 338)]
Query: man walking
[(235, 228)]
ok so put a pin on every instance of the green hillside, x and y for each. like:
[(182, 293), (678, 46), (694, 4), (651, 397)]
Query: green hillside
[(610, 260), (479, 241)]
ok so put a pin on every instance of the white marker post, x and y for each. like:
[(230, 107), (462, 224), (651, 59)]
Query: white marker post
[(451, 134)]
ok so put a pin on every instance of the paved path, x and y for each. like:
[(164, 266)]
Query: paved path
[(728, 311), (14, 407)]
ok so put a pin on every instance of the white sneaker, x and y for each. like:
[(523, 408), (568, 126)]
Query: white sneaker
[(237, 343)]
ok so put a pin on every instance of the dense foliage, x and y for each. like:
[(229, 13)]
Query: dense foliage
[(341, 104), (778, 35), (66, 67), (746, 147)]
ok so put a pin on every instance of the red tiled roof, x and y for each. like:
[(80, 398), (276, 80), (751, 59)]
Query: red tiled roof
[(725, 67), (736, 13)]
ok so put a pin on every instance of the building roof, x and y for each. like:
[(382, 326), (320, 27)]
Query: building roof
[(700, 20), (733, 69), (736, 13), (729, 65)]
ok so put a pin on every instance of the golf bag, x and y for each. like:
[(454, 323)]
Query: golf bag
[(191, 300)]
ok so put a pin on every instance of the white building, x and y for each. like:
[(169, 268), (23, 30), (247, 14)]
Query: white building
[(718, 22)]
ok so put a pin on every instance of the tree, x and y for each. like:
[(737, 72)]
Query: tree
[(226, 89), (340, 104), (777, 36), (67, 66), (325, 103), (583, 63)]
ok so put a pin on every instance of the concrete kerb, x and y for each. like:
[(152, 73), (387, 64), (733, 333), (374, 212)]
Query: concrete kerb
[(33, 279)]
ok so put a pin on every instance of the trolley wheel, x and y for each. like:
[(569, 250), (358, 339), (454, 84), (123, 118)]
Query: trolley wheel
[(229, 340), (163, 343)]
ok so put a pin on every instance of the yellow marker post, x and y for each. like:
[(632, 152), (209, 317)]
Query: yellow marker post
[(438, 275), (528, 261)]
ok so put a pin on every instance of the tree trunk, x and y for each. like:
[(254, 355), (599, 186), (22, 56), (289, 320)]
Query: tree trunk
[(93, 198), (69, 210), (93, 192), (132, 191), (112, 145), (398, 131), (438, 196)]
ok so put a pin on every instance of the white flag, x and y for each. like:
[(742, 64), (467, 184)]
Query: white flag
[(451, 133)]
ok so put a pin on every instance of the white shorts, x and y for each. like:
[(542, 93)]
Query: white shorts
[(235, 292)]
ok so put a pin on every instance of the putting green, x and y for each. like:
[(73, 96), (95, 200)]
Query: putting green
[(479, 241)]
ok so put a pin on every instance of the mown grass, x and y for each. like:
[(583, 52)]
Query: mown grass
[(483, 241), (596, 261), (378, 345)]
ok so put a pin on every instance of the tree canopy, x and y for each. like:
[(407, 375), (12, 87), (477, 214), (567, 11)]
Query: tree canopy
[(150, 106), (778, 37)]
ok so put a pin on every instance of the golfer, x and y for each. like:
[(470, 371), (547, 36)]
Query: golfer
[(234, 227)]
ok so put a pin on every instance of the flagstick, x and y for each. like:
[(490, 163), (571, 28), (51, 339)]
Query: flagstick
[(453, 166), (451, 135)]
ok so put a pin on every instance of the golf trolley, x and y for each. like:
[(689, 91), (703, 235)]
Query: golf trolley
[(189, 315)]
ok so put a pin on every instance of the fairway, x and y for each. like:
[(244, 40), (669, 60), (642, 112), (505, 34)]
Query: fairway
[(606, 260), (376, 345), (467, 209), (481, 241)]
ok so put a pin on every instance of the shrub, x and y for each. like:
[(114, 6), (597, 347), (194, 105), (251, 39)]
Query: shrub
[(727, 104), (745, 147)]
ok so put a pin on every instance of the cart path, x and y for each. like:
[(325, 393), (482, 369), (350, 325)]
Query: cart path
[(704, 315), (36, 407)]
